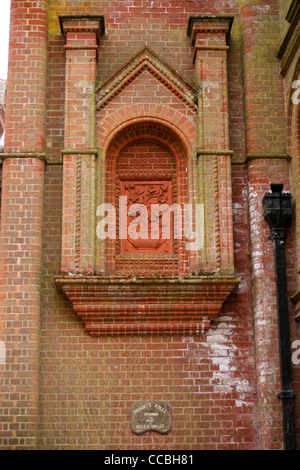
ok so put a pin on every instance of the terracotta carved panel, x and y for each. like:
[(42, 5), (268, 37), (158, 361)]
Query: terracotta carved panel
[(146, 178), (149, 229)]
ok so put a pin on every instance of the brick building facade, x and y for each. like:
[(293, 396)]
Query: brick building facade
[(188, 103)]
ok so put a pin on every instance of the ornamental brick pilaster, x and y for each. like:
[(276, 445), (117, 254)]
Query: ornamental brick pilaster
[(209, 36), (82, 37)]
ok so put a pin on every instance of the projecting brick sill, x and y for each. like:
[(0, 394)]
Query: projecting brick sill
[(147, 306)]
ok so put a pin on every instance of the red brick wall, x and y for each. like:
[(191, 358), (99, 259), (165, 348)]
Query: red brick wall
[(21, 223), (20, 265), (266, 142), (88, 384), (130, 26), (0, 189), (291, 74), (26, 90), (217, 384)]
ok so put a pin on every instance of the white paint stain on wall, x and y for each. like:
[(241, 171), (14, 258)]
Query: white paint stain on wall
[(2, 352)]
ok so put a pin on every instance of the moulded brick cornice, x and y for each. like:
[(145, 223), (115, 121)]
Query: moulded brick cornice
[(147, 306), (209, 24), (290, 43), (260, 156), (294, 8), (272, 156), (146, 60), (83, 23), (214, 152), (38, 156), (80, 151)]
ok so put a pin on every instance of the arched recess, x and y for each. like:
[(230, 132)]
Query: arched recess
[(152, 159)]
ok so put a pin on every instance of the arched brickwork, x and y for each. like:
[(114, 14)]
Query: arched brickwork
[(163, 159), (109, 125)]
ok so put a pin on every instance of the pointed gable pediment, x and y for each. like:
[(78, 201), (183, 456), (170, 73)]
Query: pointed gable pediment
[(146, 60)]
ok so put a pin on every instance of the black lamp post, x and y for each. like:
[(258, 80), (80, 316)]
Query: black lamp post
[(277, 207)]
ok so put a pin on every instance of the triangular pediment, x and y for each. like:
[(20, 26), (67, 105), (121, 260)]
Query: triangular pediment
[(146, 60)]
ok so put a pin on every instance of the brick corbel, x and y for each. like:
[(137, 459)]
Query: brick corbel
[(147, 306)]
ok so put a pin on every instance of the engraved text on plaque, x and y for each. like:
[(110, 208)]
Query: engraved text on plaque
[(151, 416)]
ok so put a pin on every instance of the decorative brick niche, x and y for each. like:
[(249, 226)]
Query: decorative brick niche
[(152, 144), (145, 165)]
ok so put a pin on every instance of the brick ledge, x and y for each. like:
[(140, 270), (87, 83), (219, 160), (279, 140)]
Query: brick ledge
[(147, 306)]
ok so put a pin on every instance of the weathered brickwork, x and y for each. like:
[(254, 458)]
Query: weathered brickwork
[(189, 95), (2, 106), (21, 223)]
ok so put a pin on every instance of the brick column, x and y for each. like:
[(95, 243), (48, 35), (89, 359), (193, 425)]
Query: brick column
[(82, 37), (21, 224), (209, 36), (266, 137)]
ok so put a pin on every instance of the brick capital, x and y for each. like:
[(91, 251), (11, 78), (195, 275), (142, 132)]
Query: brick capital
[(80, 25), (210, 28)]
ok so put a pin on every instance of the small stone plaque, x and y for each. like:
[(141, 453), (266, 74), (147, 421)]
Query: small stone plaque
[(151, 416)]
